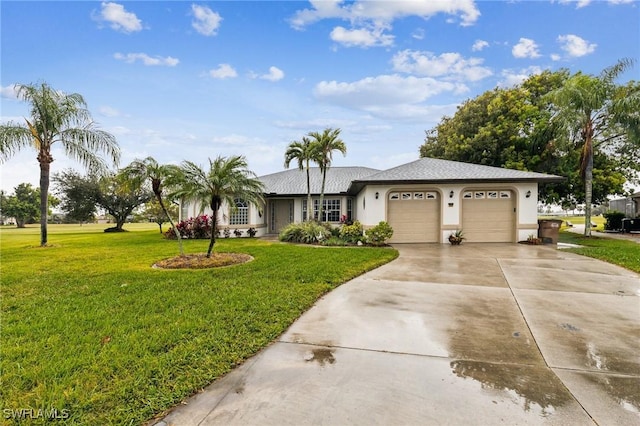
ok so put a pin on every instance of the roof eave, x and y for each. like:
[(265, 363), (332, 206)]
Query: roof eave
[(357, 185)]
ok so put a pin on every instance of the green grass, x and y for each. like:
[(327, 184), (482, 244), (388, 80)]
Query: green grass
[(89, 327), (619, 252)]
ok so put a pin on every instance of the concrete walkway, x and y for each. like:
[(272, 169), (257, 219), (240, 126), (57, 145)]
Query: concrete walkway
[(579, 229), (478, 334)]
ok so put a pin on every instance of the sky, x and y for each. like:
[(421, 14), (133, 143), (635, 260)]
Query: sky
[(183, 80)]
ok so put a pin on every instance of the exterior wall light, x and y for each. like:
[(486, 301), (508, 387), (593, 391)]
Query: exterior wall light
[(377, 195), (451, 194), (528, 194)]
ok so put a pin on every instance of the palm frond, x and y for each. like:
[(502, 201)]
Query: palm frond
[(13, 138)]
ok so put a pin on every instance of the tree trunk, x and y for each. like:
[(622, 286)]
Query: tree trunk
[(44, 159), (587, 169), (309, 205), (214, 226), (588, 192), (120, 222), (320, 207), (20, 223), (173, 226)]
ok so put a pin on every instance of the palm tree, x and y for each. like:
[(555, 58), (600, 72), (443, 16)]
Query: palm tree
[(56, 117), (149, 169), (226, 180), (598, 113), (304, 152), (325, 143)]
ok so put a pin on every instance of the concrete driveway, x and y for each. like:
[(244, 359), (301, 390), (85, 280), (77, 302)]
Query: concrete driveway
[(475, 334)]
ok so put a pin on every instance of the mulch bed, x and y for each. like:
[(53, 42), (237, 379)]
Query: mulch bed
[(201, 261)]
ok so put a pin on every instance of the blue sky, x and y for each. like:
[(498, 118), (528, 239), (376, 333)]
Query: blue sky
[(190, 80)]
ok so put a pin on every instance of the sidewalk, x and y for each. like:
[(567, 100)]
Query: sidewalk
[(579, 229)]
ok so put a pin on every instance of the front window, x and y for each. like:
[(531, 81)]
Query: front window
[(239, 215), (330, 211)]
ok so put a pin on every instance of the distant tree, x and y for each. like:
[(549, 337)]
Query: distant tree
[(513, 128), (324, 144), (77, 194), (62, 118), (155, 213), (23, 205), (140, 171), (227, 179), (598, 114), (304, 153), (119, 196)]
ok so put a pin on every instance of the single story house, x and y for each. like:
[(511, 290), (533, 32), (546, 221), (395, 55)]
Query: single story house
[(423, 201)]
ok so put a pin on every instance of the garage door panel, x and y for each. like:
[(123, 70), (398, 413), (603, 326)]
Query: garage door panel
[(489, 219), (414, 220)]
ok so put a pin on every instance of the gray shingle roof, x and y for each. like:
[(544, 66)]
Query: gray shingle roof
[(425, 170), (294, 181), (436, 170)]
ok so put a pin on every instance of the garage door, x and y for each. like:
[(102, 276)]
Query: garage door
[(414, 216), (488, 216)]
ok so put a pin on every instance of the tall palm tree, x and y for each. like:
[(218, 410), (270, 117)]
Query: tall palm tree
[(149, 169), (56, 117), (226, 180), (304, 152), (597, 113), (325, 143)]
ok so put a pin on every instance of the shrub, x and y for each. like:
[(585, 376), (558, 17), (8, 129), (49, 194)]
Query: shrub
[(198, 227), (226, 232), (379, 234), (334, 242), (352, 233), (614, 220), (306, 232), (251, 232), (237, 233)]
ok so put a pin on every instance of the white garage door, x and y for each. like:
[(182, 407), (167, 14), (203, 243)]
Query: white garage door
[(488, 216), (414, 216)]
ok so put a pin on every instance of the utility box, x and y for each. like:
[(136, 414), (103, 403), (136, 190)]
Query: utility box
[(549, 230)]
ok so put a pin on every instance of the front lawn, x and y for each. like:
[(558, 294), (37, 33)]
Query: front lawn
[(619, 252), (91, 330)]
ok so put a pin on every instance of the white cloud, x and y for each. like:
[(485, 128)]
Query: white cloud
[(383, 11), (370, 19), (9, 92), (555, 57), (108, 111), (515, 77), (206, 21), (147, 60), (383, 90), (223, 71), (479, 45), (418, 34), (119, 19), (576, 46), (583, 3), (274, 74), (361, 37), (526, 48), (450, 65), (579, 3)]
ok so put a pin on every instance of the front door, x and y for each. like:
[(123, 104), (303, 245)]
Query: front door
[(281, 214)]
